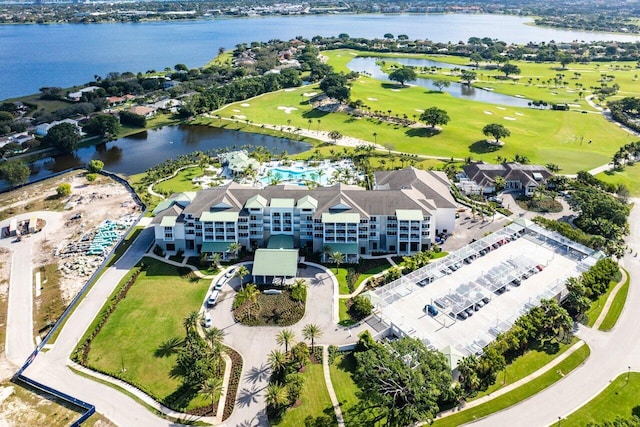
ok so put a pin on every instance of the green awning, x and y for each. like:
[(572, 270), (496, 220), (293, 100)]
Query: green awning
[(347, 218), (165, 204), (280, 241), (275, 262), (409, 215), (219, 216), (344, 248), (213, 247)]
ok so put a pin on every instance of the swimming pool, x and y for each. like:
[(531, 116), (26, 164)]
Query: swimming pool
[(298, 174)]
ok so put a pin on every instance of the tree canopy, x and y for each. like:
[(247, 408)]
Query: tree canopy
[(404, 380), (15, 172), (468, 76), (496, 130), (334, 85), (509, 69), (64, 136), (402, 75), (103, 125), (434, 116)]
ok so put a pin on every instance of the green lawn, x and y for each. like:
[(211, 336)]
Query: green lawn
[(141, 322), (182, 182), (314, 402), (345, 317), (341, 275), (629, 177), (538, 134), (616, 307), (517, 395), (596, 306), (526, 364), (620, 398)]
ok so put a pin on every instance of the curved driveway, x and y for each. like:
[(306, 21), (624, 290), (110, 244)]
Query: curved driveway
[(612, 353)]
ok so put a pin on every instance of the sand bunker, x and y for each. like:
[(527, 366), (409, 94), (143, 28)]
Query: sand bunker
[(419, 110), (287, 110), (520, 114), (501, 108), (290, 89), (574, 105), (372, 99), (395, 90), (519, 96), (309, 94), (245, 105), (237, 111), (509, 118), (239, 116), (489, 113)]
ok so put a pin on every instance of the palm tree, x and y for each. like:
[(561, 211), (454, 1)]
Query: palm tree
[(212, 387), (250, 295), (234, 248), (375, 137), (241, 272), (337, 257), (215, 259), (276, 395), (214, 336), (311, 332), (285, 337), (309, 123), (191, 321), (277, 361)]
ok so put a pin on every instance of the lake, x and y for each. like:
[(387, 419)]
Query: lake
[(368, 65), (64, 55), (137, 153)]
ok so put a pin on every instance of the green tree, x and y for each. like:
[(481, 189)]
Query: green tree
[(276, 397), (277, 361), (337, 257), (285, 337), (212, 388), (310, 332), (499, 182), (63, 189), (334, 135), (441, 84), (361, 307), (191, 321), (468, 76), (103, 125), (476, 58), (496, 130), (299, 291), (403, 380), (15, 172), (240, 273), (509, 69), (564, 59), (234, 248), (577, 301), (402, 75), (64, 136), (434, 116), (95, 166)]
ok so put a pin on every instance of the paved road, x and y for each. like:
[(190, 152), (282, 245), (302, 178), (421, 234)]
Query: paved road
[(611, 354), (19, 339), (50, 367)]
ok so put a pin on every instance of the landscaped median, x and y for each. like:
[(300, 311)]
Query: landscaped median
[(615, 309)]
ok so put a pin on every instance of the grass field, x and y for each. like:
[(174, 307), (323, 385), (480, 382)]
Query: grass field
[(629, 177), (526, 364), (620, 398), (597, 306), (538, 134), (181, 182), (616, 307), (314, 402), (517, 395), (343, 311), (141, 322)]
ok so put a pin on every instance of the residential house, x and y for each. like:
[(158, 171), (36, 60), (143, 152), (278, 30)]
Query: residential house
[(479, 177), (145, 111), (76, 96)]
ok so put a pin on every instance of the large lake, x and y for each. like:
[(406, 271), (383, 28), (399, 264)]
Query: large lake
[(33, 56)]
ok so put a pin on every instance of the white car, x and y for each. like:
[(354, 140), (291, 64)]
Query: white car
[(218, 286), (213, 298), (229, 274), (207, 320)]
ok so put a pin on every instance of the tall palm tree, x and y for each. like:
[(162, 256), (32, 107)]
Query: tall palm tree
[(277, 361), (214, 335), (285, 337), (276, 395), (337, 257), (310, 332), (212, 387), (191, 321), (215, 259), (241, 272), (234, 248)]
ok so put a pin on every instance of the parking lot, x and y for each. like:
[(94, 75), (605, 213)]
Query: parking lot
[(480, 290)]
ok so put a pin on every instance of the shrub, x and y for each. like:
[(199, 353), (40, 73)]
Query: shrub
[(95, 166), (91, 177), (63, 189), (352, 279), (360, 308)]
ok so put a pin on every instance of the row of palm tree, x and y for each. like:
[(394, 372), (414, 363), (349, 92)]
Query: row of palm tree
[(286, 337)]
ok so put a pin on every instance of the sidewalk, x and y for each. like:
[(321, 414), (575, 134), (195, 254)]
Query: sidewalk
[(332, 393)]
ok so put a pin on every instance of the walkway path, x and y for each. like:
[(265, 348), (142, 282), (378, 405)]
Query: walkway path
[(607, 304), (332, 393), (183, 263), (176, 172), (612, 353)]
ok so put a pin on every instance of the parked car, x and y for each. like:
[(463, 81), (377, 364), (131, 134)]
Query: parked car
[(469, 311), (486, 300), (218, 286), (431, 310), (229, 274), (207, 320), (213, 298), (462, 315)]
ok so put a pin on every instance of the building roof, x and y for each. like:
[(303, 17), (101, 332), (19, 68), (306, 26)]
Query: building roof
[(256, 201), (282, 203), (452, 356), (275, 262), (348, 218), (307, 202), (238, 161), (224, 216), (409, 215), (280, 241), (142, 110), (169, 221), (484, 174)]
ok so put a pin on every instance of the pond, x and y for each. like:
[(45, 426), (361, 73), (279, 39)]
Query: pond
[(369, 66)]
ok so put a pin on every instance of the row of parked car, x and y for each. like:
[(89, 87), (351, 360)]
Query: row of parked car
[(468, 312), (212, 299)]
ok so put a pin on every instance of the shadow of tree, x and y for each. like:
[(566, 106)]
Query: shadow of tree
[(483, 147), (168, 347), (314, 114), (258, 373), (181, 398), (635, 411), (427, 132), (247, 396)]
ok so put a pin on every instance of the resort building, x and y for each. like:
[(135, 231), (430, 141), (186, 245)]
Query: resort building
[(479, 177), (402, 215)]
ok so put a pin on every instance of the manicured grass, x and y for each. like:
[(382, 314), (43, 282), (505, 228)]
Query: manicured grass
[(314, 402), (182, 182), (538, 134), (526, 364), (620, 398), (343, 311), (371, 272), (517, 395), (341, 275), (616, 307), (629, 177), (141, 322), (596, 306)]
